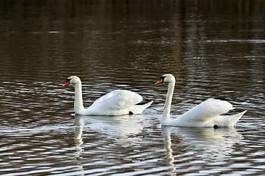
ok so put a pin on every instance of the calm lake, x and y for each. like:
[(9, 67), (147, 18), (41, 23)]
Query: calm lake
[(214, 49)]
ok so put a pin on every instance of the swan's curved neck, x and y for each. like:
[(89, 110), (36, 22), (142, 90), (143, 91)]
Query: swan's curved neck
[(78, 103), (170, 91)]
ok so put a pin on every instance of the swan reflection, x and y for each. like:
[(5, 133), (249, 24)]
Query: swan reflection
[(121, 128), (79, 126), (207, 143), (78, 140), (114, 126)]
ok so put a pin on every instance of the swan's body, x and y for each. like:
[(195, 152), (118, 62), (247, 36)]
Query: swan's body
[(206, 114), (117, 102)]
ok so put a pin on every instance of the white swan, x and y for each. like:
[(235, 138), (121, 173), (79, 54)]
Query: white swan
[(206, 114), (117, 102)]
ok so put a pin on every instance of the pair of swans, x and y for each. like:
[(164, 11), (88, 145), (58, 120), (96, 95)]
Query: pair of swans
[(123, 102)]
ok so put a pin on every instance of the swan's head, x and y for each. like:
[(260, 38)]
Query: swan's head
[(71, 80), (166, 78)]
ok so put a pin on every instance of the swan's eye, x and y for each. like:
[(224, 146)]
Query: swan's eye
[(68, 80), (162, 78)]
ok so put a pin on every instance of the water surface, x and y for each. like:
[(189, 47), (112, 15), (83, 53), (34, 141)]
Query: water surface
[(215, 49)]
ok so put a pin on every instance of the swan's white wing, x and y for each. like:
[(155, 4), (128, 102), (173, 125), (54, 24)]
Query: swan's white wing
[(115, 101), (205, 112)]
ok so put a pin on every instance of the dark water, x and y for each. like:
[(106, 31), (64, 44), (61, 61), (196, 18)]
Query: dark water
[(214, 48)]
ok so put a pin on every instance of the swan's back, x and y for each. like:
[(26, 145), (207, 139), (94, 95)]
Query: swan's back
[(117, 102), (119, 99), (204, 113)]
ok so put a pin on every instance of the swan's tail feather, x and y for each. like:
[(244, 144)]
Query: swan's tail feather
[(138, 109), (229, 120), (234, 118)]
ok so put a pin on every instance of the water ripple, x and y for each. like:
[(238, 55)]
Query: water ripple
[(110, 47)]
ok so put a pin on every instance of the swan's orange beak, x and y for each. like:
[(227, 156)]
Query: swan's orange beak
[(66, 84), (159, 82)]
